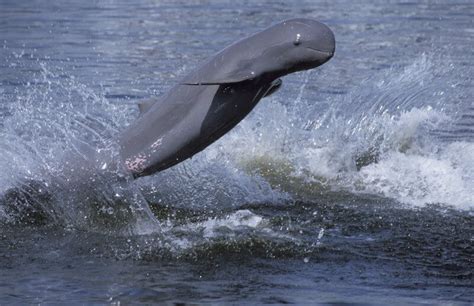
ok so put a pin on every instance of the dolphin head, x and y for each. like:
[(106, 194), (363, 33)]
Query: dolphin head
[(286, 47), (310, 43), (296, 44)]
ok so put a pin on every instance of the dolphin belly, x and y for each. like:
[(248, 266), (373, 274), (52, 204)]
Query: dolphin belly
[(170, 124), (185, 123)]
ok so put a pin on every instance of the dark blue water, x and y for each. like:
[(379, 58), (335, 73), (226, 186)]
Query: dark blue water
[(353, 184)]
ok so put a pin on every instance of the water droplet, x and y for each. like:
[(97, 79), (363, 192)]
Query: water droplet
[(321, 233)]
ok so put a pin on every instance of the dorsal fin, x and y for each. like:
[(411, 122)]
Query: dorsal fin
[(145, 105)]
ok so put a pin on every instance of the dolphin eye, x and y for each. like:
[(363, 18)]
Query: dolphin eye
[(297, 40)]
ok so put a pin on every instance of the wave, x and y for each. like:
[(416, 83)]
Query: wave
[(377, 139)]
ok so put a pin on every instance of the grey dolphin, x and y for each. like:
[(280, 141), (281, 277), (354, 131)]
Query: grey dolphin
[(214, 98)]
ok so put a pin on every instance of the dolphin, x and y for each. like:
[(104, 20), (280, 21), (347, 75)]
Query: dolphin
[(200, 109), (215, 97)]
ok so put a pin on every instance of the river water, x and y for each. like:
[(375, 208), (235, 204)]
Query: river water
[(352, 184)]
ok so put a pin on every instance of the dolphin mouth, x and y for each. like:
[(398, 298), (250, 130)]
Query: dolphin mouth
[(326, 53)]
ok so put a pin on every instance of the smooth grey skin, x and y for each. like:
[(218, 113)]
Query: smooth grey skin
[(212, 99)]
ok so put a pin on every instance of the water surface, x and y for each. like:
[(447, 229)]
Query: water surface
[(352, 184)]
